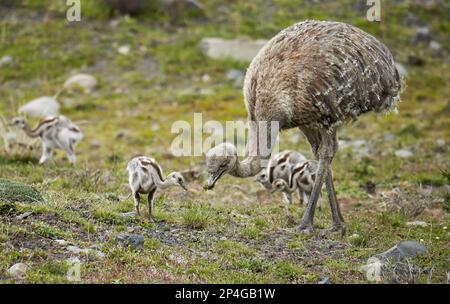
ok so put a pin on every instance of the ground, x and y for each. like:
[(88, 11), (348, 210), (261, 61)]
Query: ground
[(236, 233)]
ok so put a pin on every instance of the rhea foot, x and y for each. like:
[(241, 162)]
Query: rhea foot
[(306, 228), (339, 227)]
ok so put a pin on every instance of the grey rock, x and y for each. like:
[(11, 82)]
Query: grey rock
[(87, 251), (404, 153), (236, 76), (325, 280), (135, 241), (435, 46), (24, 215), (403, 250), (389, 137), (41, 107), (417, 223), (86, 82), (18, 271), (402, 71), (422, 35), (239, 49), (6, 60), (129, 214)]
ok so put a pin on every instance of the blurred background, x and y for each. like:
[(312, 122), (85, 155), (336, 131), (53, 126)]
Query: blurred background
[(130, 68)]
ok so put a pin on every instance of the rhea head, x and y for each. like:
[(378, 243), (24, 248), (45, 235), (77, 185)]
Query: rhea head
[(221, 159)]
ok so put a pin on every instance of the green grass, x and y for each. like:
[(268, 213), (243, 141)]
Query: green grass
[(224, 236)]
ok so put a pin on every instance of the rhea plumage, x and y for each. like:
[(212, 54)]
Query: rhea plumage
[(315, 76), (280, 167), (56, 132), (145, 176), (301, 178)]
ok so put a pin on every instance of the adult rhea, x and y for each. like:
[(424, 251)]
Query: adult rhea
[(314, 75)]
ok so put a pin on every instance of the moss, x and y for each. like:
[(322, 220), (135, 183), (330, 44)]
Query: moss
[(17, 192)]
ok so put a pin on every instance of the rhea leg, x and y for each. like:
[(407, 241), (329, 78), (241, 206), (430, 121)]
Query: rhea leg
[(46, 153), (338, 220), (137, 201), (287, 197), (150, 204)]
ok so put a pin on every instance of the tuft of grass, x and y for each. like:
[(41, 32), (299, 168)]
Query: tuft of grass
[(196, 218)]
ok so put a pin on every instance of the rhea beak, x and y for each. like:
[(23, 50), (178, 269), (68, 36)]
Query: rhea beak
[(184, 187), (275, 189), (212, 180)]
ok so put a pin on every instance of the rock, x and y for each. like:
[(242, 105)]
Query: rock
[(403, 250), (206, 78), (61, 242), (435, 48), (389, 137), (129, 214), (325, 280), (124, 50), (41, 107), (134, 241), (5, 60), (403, 153), (417, 223), (24, 215), (440, 143), (358, 143), (18, 271), (237, 76), (239, 49), (402, 71), (86, 82), (422, 35), (381, 266), (87, 251)]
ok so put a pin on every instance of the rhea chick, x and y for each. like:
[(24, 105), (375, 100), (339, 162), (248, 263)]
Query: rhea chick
[(146, 176), (56, 132), (302, 178), (280, 167)]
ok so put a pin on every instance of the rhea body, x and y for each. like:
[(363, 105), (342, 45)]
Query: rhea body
[(56, 132), (145, 176), (315, 76), (302, 177), (280, 168)]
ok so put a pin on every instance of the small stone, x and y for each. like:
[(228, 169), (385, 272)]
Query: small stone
[(402, 71), (5, 60), (403, 153), (86, 82), (206, 78), (239, 49), (440, 143), (422, 35), (389, 137), (124, 50), (134, 241), (18, 270), (24, 215), (61, 242), (129, 214), (325, 280), (435, 46), (417, 223), (41, 107)]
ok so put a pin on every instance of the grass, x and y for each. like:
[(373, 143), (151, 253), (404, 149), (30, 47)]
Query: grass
[(229, 235)]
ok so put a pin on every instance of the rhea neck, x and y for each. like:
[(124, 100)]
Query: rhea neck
[(33, 133), (162, 182), (256, 155)]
